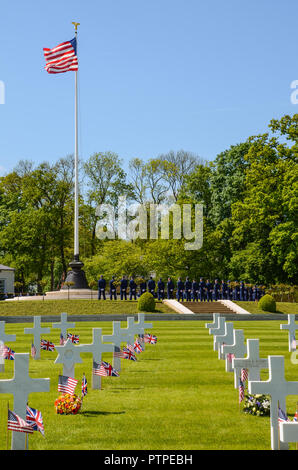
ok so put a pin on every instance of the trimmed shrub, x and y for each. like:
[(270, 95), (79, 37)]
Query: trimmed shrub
[(267, 303), (146, 303)]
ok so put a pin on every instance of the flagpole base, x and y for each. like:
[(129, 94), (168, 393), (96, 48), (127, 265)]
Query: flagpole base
[(76, 276)]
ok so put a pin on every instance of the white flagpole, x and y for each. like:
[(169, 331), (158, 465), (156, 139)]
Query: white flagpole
[(76, 202)]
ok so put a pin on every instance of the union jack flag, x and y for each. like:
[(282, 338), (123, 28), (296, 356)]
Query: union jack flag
[(66, 384), (8, 353), (62, 58), (15, 423), (34, 417), (138, 348), (111, 372), (151, 339), (47, 345), (84, 386), (99, 369), (74, 338), (296, 417), (129, 354)]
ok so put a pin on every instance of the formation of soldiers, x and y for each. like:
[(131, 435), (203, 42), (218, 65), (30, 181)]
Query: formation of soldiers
[(195, 291)]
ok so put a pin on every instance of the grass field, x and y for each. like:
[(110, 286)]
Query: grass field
[(281, 307), (177, 396)]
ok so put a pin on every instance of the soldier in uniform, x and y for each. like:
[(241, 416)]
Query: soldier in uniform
[(123, 288), (188, 287), (160, 289), (132, 289), (143, 286), (255, 293), (170, 288), (151, 286), (209, 290), (216, 290), (229, 291), (113, 293), (180, 289), (223, 290), (202, 290), (101, 288), (241, 291), (195, 291)]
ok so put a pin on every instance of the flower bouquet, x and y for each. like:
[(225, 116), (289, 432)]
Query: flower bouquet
[(68, 404), (257, 405)]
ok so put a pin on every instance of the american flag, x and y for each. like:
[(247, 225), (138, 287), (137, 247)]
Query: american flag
[(151, 339), (62, 340), (282, 417), (129, 354), (118, 353), (74, 338), (62, 58), (241, 391), (130, 347), (111, 372), (34, 417), (244, 375), (47, 345), (293, 345), (138, 348), (33, 350), (230, 356), (99, 369), (84, 386), (15, 423), (66, 384), (8, 353)]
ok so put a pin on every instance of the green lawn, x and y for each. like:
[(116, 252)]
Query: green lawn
[(74, 307), (281, 307), (177, 396)]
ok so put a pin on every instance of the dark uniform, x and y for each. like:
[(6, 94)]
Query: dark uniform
[(123, 288), (216, 290), (170, 288), (188, 287), (195, 291), (101, 288), (255, 293), (160, 289), (202, 290), (113, 293), (209, 291), (180, 289), (151, 286), (241, 291), (229, 291), (143, 287), (223, 291), (235, 294), (132, 289)]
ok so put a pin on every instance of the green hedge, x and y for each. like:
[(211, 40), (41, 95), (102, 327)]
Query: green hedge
[(267, 303), (146, 303)]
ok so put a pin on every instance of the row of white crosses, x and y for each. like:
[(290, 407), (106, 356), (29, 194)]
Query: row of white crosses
[(229, 341), (68, 354)]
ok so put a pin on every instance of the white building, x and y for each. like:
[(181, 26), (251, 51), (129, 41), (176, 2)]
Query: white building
[(6, 280)]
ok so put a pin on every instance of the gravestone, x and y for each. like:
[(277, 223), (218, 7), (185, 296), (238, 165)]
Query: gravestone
[(4, 338), (278, 388), (37, 332), (97, 347), (119, 336), (226, 338), (238, 349), (252, 362), (215, 322), (1, 356), (288, 432), (20, 387), (291, 326), (63, 325), (142, 326), (68, 355), (219, 330), (133, 329)]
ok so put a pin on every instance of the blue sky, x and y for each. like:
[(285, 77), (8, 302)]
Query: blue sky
[(154, 76)]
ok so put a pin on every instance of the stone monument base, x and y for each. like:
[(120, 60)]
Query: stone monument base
[(72, 294)]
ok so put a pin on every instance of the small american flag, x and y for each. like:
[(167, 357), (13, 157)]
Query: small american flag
[(118, 353), (33, 350), (244, 375), (8, 353), (111, 372), (293, 345), (62, 58), (62, 340), (66, 384), (230, 356), (241, 391), (47, 345), (74, 338), (129, 354), (34, 417), (15, 423), (99, 369), (84, 386), (282, 417), (151, 339)]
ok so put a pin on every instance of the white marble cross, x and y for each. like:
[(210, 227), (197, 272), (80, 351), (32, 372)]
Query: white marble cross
[(5, 338), (252, 362), (1, 356), (132, 329), (97, 347), (37, 332), (215, 321), (278, 388), (291, 326), (20, 387), (68, 355), (63, 325), (119, 336), (142, 325), (226, 338), (220, 329), (238, 349), (288, 431)]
